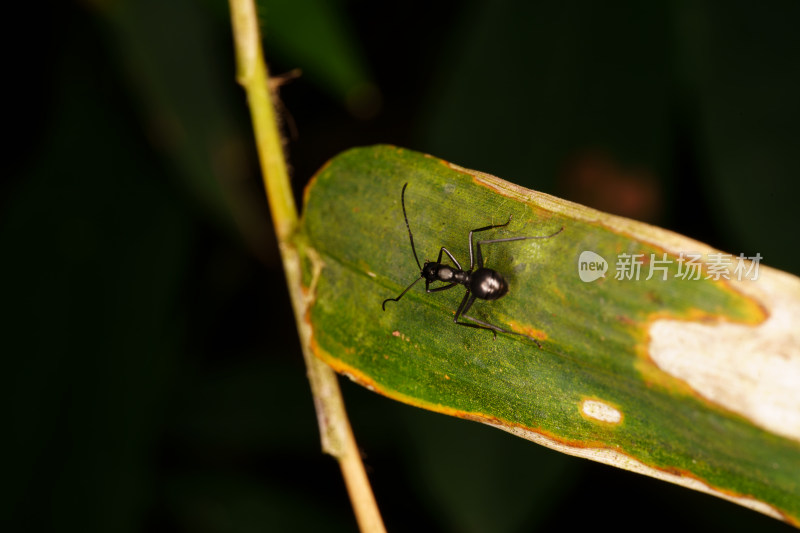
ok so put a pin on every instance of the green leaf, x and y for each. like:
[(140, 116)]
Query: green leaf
[(688, 380)]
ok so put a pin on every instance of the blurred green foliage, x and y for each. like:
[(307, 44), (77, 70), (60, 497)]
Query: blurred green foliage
[(154, 378)]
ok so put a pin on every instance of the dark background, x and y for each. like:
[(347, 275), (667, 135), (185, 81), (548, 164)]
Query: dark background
[(153, 376)]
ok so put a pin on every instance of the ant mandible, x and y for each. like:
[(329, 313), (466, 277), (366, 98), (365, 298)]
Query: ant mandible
[(483, 283)]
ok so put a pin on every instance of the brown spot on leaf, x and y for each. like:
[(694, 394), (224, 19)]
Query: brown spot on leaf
[(595, 179)]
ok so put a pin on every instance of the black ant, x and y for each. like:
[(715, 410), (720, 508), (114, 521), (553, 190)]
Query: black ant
[(484, 283)]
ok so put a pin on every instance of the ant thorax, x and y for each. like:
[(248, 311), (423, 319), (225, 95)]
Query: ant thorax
[(432, 271)]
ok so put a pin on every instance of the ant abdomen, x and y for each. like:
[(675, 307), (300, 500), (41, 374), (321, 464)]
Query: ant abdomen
[(488, 284)]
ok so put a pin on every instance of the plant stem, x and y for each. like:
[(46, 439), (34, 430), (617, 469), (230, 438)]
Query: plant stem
[(336, 434)]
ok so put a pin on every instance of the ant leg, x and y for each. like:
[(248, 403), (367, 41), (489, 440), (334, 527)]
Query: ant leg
[(444, 288), (491, 241), (464, 307), (466, 303), (453, 259), (480, 259), (493, 328), (522, 238)]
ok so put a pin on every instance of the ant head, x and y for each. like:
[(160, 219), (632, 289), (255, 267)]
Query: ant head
[(429, 270)]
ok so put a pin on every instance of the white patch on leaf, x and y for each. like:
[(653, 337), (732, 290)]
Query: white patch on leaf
[(601, 411), (751, 370)]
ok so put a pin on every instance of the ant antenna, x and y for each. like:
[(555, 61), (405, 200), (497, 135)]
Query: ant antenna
[(410, 237), (413, 249), (383, 305)]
